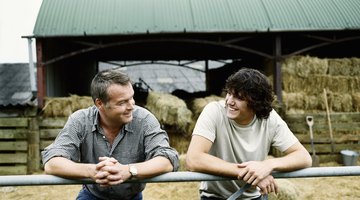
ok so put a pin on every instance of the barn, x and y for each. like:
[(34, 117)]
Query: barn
[(73, 37), (76, 39)]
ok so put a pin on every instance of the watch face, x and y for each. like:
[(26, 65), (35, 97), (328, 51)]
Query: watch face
[(133, 170)]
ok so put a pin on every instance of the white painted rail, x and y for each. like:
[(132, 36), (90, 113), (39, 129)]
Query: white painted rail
[(181, 176)]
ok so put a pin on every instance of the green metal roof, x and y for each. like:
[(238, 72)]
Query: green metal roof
[(120, 17)]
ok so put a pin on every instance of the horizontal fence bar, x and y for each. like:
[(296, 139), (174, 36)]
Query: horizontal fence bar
[(181, 176)]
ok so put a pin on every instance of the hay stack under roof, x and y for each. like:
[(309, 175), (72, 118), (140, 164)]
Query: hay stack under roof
[(315, 84), (65, 106), (303, 66), (301, 101), (198, 104), (170, 110), (305, 78), (344, 66), (356, 101)]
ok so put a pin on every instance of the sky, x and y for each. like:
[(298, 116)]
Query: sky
[(17, 19)]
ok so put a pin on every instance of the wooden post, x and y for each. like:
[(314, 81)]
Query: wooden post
[(33, 161), (277, 72), (41, 74)]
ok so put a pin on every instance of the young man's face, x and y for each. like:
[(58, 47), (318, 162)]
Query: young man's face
[(119, 108), (237, 109)]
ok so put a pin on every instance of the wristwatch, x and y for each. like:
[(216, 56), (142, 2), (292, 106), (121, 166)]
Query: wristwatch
[(133, 171)]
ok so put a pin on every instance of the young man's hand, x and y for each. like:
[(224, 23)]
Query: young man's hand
[(254, 171), (268, 185)]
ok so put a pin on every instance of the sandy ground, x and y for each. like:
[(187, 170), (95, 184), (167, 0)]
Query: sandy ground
[(344, 188)]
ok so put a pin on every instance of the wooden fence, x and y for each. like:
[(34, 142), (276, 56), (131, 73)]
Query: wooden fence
[(345, 130), (22, 139)]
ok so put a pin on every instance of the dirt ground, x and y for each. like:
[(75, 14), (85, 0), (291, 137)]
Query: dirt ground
[(344, 188)]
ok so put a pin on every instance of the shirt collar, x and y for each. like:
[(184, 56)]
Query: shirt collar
[(96, 119), (96, 125)]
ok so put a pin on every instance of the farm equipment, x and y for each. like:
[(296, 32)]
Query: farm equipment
[(314, 157)]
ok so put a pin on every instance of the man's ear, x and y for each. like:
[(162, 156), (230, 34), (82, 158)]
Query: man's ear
[(98, 103)]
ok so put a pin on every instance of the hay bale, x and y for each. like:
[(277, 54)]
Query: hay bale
[(355, 66), (294, 100), (304, 79), (342, 103), (344, 66), (315, 84), (354, 83), (65, 106), (338, 102), (80, 102), (179, 141), (356, 101), (170, 110), (343, 84), (182, 158), (314, 102), (303, 66), (291, 83), (339, 66), (57, 107), (287, 191), (198, 104)]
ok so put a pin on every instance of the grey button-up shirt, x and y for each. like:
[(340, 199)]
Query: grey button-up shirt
[(83, 140)]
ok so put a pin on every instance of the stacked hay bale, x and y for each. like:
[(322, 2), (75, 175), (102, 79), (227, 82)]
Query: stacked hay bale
[(305, 78), (170, 111), (198, 104), (177, 118), (173, 113), (65, 106)]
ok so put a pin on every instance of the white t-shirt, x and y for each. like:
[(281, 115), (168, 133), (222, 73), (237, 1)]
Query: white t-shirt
[(237, 143)]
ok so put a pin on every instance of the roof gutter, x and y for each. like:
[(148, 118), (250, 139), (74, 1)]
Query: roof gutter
[(31, 66)]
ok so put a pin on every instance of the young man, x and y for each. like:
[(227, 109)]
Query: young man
[(111, 142), (233, 138)]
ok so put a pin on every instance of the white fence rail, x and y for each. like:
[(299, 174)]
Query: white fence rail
[(181, 176)]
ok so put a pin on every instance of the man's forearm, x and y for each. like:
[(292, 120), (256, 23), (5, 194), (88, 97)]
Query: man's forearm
[(153, 167), (290, 162), (207, 163), (60, 166)]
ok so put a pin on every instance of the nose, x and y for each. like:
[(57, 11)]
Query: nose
[(131, 104), (230, 99)]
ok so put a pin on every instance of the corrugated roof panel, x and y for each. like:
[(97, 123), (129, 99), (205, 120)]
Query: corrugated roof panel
[(109, 17), (322, 14), (168, 18), (114, 16), (122, 19), (350, 10), (285, 15), (211, 15), (248, 15), (139, 15)]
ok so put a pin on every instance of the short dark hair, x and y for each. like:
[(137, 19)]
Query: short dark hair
[(252, 86), (103, 80)]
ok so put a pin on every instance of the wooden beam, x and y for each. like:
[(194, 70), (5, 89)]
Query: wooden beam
[(41, 74)]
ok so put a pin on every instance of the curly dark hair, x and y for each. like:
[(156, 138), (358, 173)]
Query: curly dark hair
[(252, 86)]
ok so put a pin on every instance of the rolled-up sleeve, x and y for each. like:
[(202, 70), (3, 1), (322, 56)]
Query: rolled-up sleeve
[(157, 142), (66, 143)]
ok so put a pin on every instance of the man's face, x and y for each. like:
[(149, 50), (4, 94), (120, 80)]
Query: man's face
[(119, 108), (237, 109)]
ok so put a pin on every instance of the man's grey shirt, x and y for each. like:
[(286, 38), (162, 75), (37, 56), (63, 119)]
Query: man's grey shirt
[(82, 140)]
